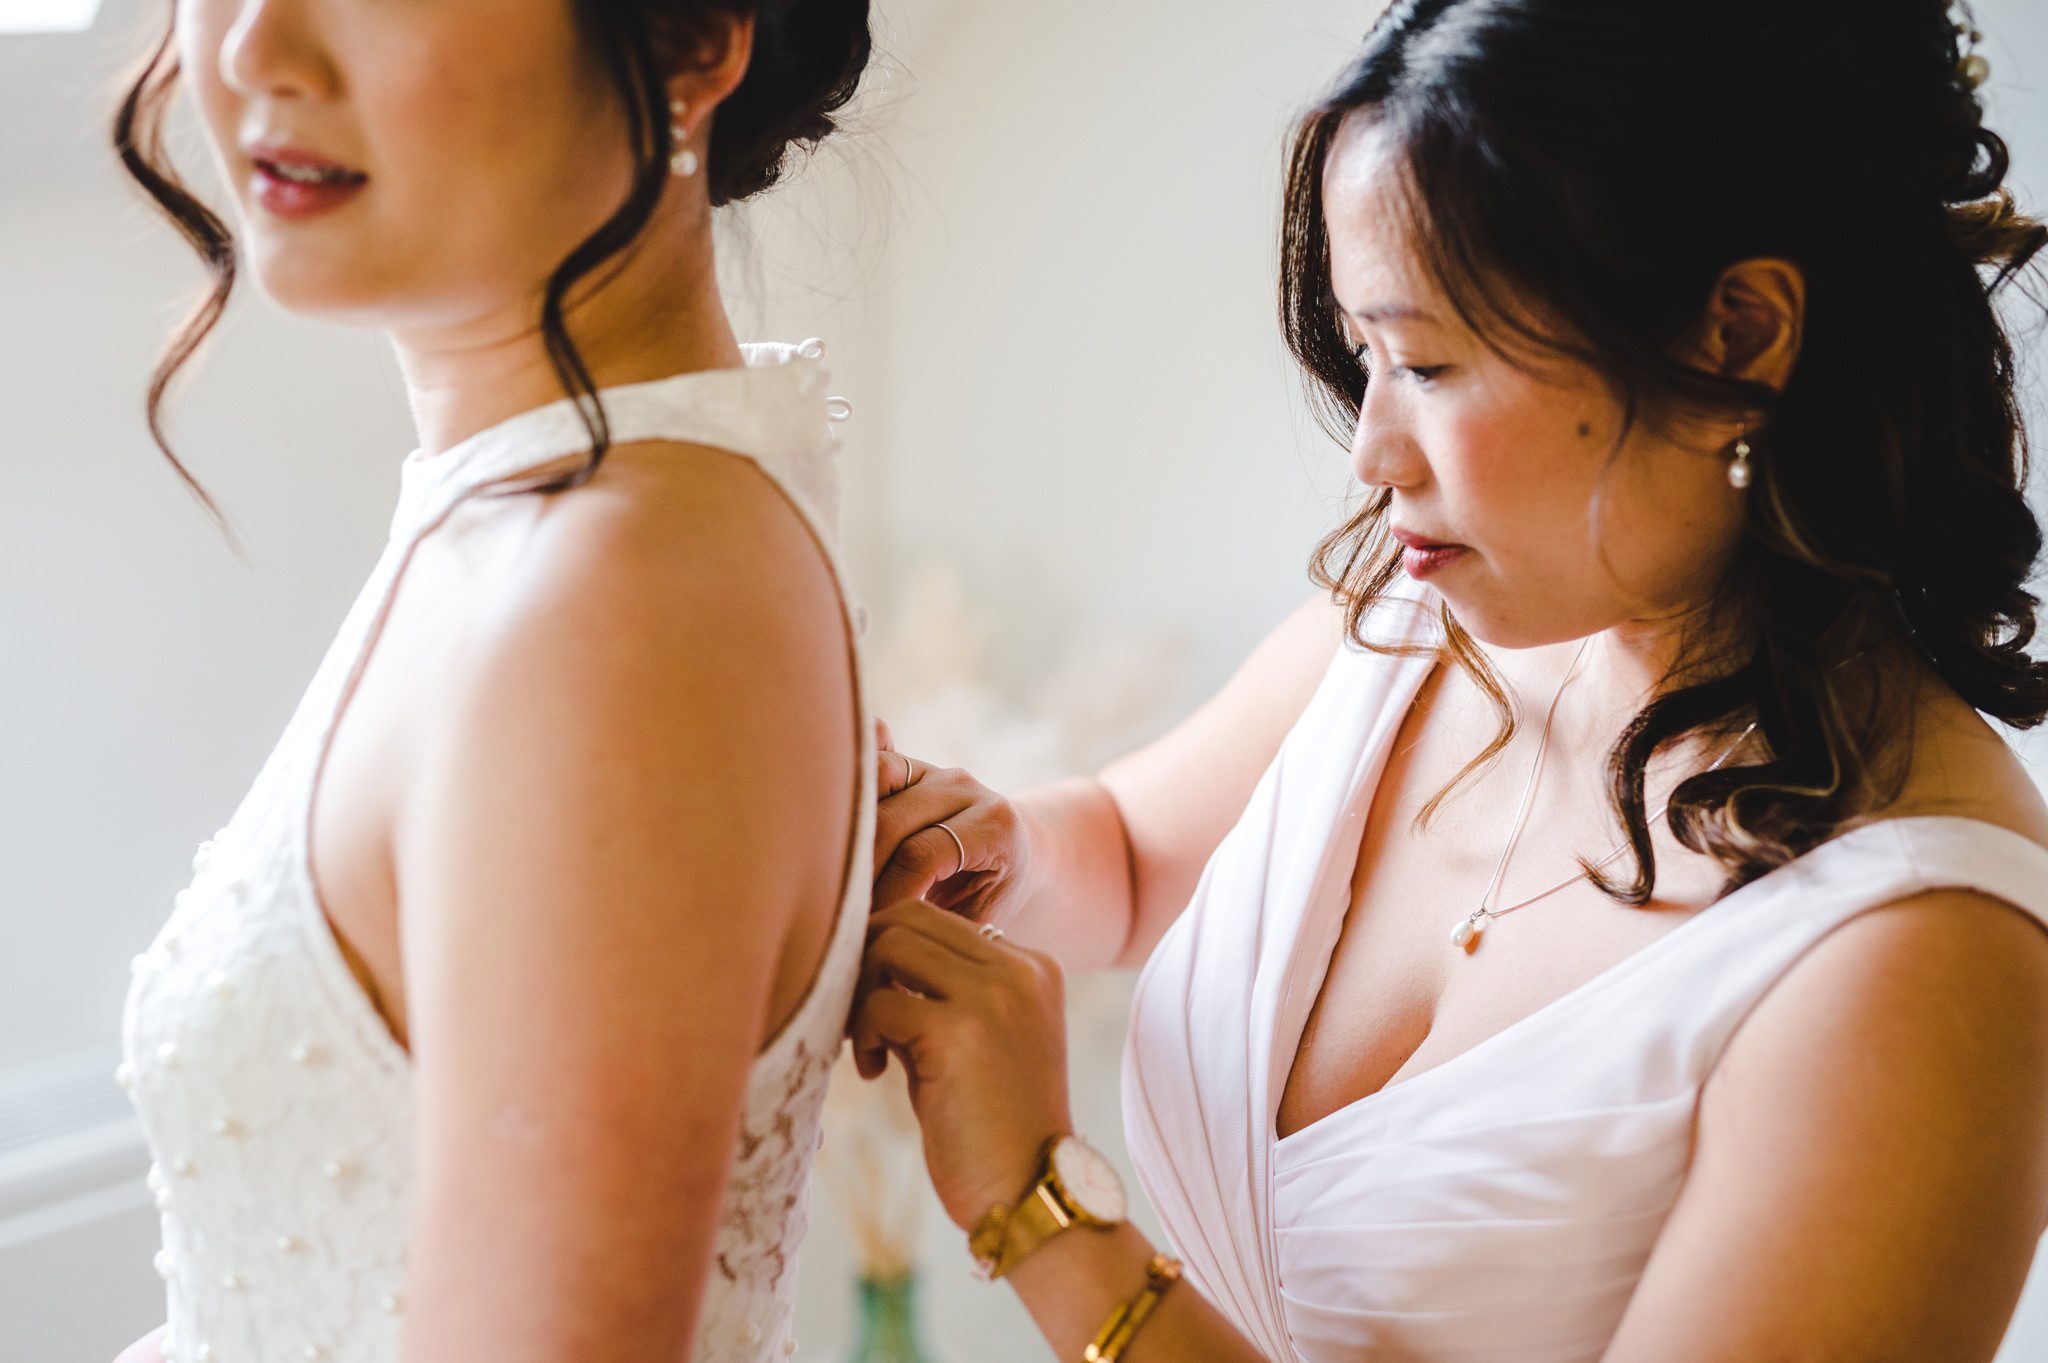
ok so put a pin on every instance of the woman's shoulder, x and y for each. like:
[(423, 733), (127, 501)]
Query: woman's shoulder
[(679, 583)]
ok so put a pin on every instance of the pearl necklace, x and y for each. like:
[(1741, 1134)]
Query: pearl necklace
[(1465, 936)]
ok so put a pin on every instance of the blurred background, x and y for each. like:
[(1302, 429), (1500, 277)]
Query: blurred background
[(1043, 264)]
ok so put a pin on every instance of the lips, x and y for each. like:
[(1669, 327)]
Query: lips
[(1411, 540), (1421, 556), (292, 183), (297, 165)]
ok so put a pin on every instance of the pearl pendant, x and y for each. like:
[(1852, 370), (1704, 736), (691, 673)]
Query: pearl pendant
[(1465, 936)]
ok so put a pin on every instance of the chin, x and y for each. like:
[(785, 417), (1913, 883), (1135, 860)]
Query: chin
[(327, 290), (1502, 626)]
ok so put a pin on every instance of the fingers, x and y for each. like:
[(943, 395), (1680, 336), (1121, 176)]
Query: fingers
[(896, 773), (926, 858), (931, 796), (886, 1020), (923, 947), (949, 930), (884, 740)]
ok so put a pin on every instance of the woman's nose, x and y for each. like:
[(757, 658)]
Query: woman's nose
[(271, 49), (1383, 454)]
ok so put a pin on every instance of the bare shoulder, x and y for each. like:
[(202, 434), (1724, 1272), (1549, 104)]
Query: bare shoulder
[(670, 524), (662, 649), (1870, 1171)]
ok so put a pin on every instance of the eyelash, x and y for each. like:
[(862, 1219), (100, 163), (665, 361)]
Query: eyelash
[(1424, 374)]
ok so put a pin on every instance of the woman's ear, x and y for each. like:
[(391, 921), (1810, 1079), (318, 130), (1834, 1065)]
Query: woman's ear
[(1753, 322), (709, 63)]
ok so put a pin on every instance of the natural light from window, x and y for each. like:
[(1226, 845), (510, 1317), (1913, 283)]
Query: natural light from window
[(47, 16)]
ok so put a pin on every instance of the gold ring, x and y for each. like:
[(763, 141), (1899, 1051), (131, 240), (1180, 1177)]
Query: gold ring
[(959, 844)]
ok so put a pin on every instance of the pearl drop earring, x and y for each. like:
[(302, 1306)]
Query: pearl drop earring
[(1738, 472), (684, 162)]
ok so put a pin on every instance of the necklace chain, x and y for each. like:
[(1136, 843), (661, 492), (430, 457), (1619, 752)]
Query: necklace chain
[(1466, 935)]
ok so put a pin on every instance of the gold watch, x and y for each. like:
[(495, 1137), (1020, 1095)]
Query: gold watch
[(1075, 1186)]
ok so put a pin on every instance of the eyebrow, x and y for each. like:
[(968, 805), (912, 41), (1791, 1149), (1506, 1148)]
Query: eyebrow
[(1395, 313)]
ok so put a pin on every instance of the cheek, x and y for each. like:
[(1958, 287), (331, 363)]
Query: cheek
[(494, 166), (1515, 467), (200, 27), (1668, 519)]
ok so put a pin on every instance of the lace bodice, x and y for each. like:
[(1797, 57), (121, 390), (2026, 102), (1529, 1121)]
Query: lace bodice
[(275, 1103)]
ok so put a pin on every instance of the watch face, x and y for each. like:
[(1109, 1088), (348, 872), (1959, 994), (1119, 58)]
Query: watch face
[(1088, 1180)]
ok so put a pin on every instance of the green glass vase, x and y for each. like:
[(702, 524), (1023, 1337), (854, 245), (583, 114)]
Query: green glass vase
[(888, 1322)]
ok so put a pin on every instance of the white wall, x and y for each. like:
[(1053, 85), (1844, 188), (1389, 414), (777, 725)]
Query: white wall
[(1046, 277)]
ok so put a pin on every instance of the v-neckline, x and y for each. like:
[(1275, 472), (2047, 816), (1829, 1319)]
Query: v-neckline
[(1323, 900)]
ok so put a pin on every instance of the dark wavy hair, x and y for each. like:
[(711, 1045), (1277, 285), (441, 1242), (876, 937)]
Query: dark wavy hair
[(1601, 163), (807, 62)]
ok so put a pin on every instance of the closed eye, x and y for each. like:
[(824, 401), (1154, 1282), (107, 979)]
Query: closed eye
[(1422, 374)]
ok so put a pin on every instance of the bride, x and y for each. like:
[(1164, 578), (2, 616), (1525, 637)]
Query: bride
[(496, 1021)]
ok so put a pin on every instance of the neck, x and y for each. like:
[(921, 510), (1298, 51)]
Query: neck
[(1625, 667), (646, 314)]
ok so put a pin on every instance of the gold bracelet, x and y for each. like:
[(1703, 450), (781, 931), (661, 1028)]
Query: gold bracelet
[(1161, 1273)]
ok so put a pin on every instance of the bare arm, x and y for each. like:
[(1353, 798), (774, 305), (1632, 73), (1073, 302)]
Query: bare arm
[(646, 797), (1094, 869), (1871, 1176)]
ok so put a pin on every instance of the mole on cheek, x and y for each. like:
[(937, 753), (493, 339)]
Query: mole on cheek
[(1585, 429)]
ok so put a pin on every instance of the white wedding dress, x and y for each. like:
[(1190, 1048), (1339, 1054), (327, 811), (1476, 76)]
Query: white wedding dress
[(278, 1107)]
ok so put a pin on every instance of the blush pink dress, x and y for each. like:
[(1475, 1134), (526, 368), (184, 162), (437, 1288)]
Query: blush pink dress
[(1499, 1207)]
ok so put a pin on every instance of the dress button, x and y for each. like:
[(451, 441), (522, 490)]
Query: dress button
[(305, 1053), (217, 984), (286, 1244), (181, 1166), (167, 1055), (225, 1126), (789, 1347), (334, 1169), (232, 1281), (164, 1263), (124, 1075), (753, 1334), (163, 1199), (390, 1303), (205, 1354), (313, 1352)]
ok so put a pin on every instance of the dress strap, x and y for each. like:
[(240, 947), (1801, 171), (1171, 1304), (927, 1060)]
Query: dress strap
[(774, 411), (1952, 852)]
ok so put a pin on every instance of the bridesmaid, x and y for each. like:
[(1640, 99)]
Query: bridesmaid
[(1701, 1018)]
